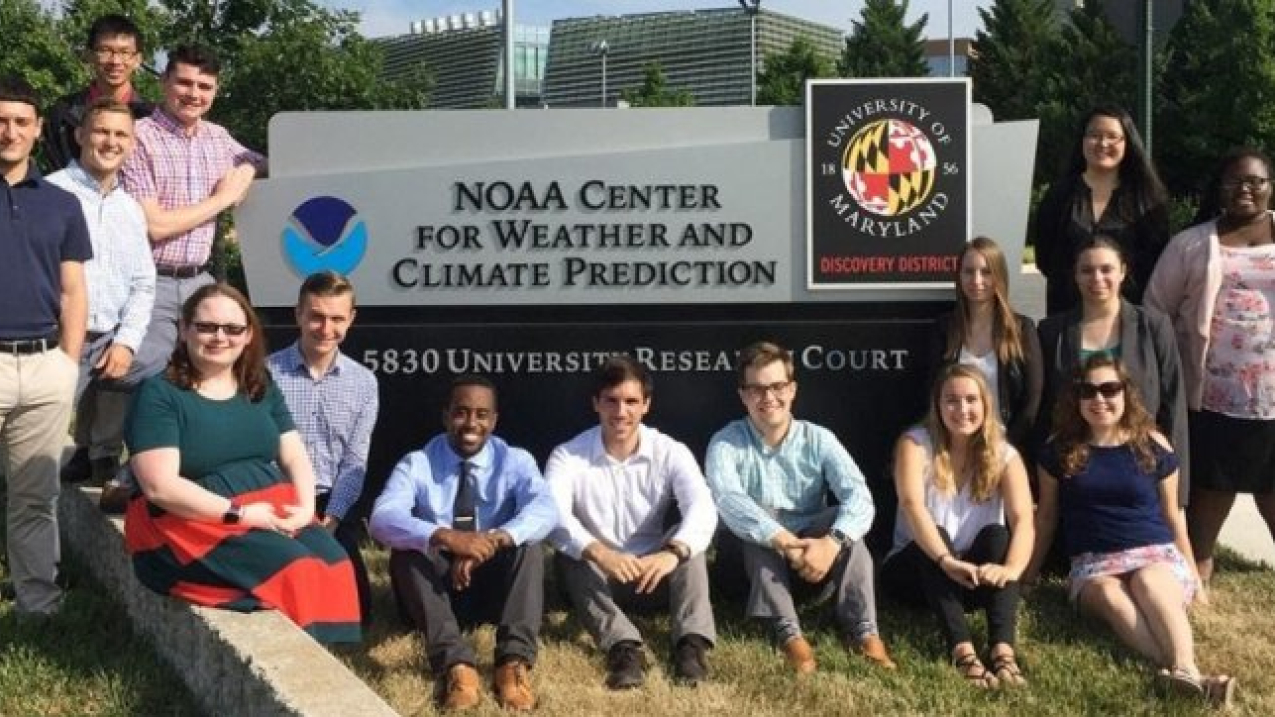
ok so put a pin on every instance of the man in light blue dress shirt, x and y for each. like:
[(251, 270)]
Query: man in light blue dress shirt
[(770, 475), (478, 563), (121, 288)]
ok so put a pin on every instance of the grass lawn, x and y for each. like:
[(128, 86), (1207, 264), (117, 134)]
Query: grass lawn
[(1073, 666), (86, 661)]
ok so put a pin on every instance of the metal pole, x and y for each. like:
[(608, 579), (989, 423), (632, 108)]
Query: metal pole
[(511, 99), (752, 59), (1148, 56), (951, 43), (604, 75)]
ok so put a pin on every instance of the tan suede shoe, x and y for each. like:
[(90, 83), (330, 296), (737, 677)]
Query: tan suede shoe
[(800, 655), (512, 684), (462, 688), (873, 648)]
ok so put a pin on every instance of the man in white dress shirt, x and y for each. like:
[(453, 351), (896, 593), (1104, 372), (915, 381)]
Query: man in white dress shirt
[(637, 517)]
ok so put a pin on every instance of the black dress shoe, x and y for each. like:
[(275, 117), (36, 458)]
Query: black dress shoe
[(690, 660), (625, 666), (78, 467)]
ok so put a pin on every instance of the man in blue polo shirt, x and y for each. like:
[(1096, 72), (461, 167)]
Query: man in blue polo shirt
[(44, 243), (333, 399)]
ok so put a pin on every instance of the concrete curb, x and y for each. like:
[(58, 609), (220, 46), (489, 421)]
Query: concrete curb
[(234, 663)]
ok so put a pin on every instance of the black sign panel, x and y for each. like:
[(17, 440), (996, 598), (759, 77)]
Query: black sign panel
[(888, 179), (860, 369)]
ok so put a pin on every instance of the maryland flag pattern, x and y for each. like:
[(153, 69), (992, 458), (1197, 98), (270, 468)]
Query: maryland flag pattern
[(889, 167)]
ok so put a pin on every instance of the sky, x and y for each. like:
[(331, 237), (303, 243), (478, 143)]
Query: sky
[(391, 17)]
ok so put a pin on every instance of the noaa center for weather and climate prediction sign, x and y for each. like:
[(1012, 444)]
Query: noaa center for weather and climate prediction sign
[(528, 246)]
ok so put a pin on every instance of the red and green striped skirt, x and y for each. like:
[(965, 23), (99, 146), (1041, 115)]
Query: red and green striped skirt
[(306, 576)]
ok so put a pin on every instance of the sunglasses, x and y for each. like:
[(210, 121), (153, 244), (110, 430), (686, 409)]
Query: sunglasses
[(208, 328), (1108, 389)]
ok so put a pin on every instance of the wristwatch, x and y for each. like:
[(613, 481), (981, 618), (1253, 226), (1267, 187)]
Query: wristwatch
[(842, 539), (679, 551), (232, 515)]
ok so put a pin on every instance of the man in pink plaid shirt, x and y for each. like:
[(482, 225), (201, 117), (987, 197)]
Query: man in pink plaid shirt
[(185, 171)]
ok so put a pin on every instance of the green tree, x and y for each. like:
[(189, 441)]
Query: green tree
[(783, 78), (34, 51), (1218, 88), (655, 92), (1096, 67), (1012, 57), (882, 45)]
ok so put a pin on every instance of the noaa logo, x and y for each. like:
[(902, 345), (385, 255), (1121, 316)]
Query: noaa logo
[(888, 167), (324, 234)]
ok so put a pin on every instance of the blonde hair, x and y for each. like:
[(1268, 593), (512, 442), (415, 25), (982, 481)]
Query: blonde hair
[(983, 464), (1007, 340)]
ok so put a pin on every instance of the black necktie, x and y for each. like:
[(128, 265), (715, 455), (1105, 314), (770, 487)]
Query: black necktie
[(463, 513)]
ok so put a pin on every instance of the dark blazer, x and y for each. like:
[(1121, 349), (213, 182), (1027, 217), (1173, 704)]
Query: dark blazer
[(1149, 353), (58, 143), (1018, 384), (1064, 219)]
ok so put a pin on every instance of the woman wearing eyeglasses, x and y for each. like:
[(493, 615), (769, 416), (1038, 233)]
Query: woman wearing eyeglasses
[(1216, 281), (963, 532), (1110, 479), (226, 514), (1109, 187), (1105, 322), (985, 332)]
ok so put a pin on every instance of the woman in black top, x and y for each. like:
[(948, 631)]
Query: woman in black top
[(1111, 188)]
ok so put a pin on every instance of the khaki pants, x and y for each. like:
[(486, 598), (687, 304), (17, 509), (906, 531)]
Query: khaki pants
[(36, 392)]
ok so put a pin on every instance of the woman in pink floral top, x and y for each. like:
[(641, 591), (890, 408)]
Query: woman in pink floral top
[(1216, 280)]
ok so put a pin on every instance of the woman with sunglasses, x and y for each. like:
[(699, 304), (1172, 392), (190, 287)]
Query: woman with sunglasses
[(1108, 187), (1110, 479), (985, 332), (225, 517), (1216, 281), (963, 532), (1105, 322)]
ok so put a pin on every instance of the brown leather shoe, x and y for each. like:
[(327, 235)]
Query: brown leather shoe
[(512, 683), (800, 655), (873, 648), (462, 687)]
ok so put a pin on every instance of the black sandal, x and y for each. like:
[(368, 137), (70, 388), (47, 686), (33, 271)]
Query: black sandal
[(972, 669), (1005, 668)]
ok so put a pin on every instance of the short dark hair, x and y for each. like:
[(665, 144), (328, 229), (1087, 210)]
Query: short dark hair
[(114, 24), (620, 368), (199, 56), (760, 354), (470, 379), (16, 89), (325, 283)]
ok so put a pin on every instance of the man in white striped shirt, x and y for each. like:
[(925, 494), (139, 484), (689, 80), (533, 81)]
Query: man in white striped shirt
[(121, 288)]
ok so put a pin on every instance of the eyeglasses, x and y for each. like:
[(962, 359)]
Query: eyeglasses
[(208, 328), (109, 53), (759, 390), (1108, 389), (1103, 138), (1253, 184)]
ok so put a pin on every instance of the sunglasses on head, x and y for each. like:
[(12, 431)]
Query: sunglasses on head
[(209, 328), (1108, 389)]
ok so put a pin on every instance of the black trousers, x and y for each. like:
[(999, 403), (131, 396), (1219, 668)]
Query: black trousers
[(911, 577), (349, 534), (507, 591)]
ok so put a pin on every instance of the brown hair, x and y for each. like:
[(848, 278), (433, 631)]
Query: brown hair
[(760, 354), (1072, 432), (105, 104), (325, 283), (620, 368), (249, 369), (1006, 337), (985, 446)]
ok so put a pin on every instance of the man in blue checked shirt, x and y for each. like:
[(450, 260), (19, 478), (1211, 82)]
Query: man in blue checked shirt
[(770, 475), (121, 287), (463, 518), (334, 402)]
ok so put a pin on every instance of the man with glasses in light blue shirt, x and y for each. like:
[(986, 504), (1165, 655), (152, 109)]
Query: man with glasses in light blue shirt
[(121, 289), (770, 475)]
